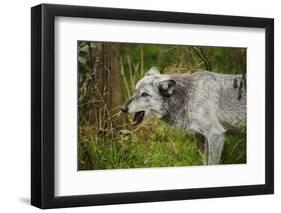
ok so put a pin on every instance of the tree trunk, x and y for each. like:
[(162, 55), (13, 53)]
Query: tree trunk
[(106, 84)]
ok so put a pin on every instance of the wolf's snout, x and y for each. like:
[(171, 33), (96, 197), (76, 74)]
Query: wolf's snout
[(125, 108)]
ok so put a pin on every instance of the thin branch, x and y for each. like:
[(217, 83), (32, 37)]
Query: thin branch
[(205, 57), (141, 59), (202, 56)]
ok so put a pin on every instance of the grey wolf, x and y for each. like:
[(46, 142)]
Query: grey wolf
[(204, 102)]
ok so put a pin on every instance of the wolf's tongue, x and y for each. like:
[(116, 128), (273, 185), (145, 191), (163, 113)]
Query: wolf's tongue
[(138, 117)]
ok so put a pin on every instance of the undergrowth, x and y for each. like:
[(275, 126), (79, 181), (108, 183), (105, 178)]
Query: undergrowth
[(153, 144)]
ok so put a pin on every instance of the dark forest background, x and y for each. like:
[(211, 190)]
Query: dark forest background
[(108, 73)]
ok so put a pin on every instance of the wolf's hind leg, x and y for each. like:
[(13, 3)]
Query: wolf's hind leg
[(201, 144), (200, 141)]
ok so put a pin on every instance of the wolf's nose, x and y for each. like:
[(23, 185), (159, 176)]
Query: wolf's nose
[(124, 109)]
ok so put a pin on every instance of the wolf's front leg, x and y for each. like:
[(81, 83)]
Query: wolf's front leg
[(214, 148)]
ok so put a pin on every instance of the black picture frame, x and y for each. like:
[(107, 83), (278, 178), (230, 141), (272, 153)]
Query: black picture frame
[(43, 102)]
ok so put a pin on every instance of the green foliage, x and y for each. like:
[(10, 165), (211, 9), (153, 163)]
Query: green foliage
[(155, 144), (234, 148), (147, 147)]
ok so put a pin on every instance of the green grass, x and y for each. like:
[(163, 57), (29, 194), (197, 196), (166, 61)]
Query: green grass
[(234, 149), (153, 144)]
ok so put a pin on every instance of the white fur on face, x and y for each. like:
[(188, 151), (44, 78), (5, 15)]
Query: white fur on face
[(152, 103)]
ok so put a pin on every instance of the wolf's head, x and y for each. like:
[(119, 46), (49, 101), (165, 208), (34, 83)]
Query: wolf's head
[(149, 96)]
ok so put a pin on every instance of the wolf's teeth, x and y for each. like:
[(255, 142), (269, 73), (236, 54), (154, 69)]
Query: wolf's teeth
[(134, 122)]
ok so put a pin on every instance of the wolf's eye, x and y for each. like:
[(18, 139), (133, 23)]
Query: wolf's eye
[(144, 94)]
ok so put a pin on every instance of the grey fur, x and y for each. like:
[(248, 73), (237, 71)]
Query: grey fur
[(203, 102)]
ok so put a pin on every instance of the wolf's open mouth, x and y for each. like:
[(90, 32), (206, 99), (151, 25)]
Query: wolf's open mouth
[(138, 117)]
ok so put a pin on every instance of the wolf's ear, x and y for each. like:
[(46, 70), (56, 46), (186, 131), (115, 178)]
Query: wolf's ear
[(152, 71), (166, 87)]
